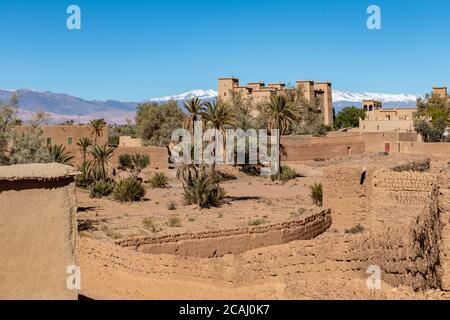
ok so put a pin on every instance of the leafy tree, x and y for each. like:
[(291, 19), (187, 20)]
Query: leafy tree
[(244, 112), (97, 127), (101, 156), (349, 117), (155, 123), (309, 118), (134, 163), (84, 144), (431, 132), (8, 118), (432, 117), (116, 131), (28, 146)]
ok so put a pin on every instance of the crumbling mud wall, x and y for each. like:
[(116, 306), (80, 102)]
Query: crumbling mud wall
[(37, 231), (398, 197), (407, 253), (401, 213), (444, 219), (346, 190), (219, 243)]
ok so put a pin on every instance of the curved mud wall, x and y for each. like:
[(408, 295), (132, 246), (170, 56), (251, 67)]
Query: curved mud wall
[(219, 243)]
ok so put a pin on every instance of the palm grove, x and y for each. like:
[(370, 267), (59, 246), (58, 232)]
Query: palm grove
[(288, 113)]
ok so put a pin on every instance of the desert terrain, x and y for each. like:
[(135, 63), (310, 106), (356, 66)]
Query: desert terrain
[(314, 267)]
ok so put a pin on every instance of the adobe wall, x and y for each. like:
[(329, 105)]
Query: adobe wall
[(37, 231), (347, 192), (407, 253), (385, 125), (303, 148), (219, 243), (426, 149), (403, 220), (60, 134), (444, 208), (159, 158)]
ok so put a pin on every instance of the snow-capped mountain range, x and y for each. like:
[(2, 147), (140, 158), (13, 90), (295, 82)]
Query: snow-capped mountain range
[(63, 107)]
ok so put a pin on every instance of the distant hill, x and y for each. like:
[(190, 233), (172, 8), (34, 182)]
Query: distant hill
[(63, 107)]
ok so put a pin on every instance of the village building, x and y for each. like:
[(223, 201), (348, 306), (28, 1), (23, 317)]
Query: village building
[(257, 92)]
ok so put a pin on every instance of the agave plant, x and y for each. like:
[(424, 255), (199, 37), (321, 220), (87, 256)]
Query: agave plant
[(204, 192), (128, 190), (59, 154)]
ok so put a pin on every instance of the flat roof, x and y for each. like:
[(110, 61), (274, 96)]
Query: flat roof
[(228, 78), (36, 171)]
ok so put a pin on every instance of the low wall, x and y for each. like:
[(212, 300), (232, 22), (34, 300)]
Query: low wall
[(408, 254), (38, 231), (425, 149), (401, 213), (303, 148), (159, 158), (347, 192), (219, 243)]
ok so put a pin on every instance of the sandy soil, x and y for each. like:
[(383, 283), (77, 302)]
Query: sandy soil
[(250, 200), (296, 270)]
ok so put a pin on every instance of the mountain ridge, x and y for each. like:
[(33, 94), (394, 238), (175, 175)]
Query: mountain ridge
[(64, 107)]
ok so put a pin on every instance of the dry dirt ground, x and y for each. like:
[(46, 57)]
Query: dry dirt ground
[(296, 270)]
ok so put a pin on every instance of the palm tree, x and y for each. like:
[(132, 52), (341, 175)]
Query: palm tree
[(195, 108), (188, 173), (84, 144), (280, 115), (218, 115), (59, 155), (97, 127), (101, 155)]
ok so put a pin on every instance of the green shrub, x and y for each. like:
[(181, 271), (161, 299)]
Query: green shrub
[(251, 170), (124, 161), (134, 163), (223, 176), (174, 222), (84, 179), (422, 165), (172, 206), (128, 190), (149, 225), (355, 230), (317, 194), (257, 222), (100, 189), (158, 180), (286, 173), (204, 192)]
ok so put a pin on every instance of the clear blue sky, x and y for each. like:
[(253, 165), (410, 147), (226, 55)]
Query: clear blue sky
[(135, 49)]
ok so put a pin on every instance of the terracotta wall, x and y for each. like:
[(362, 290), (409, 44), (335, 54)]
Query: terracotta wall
[(302, 148), (159, 158)]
